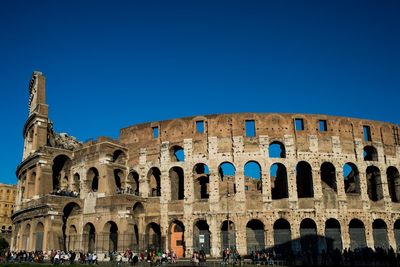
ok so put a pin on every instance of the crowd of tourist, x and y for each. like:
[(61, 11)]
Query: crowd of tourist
[(65, 192), (357, 257)]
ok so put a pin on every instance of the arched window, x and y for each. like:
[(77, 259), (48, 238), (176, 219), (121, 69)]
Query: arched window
[(177, 154), (279, 182), (370, 153), (227, 172), (252, 176), (333, 235), (374, 183), (276, 150), (61, 172), (201, 177), (351, 178), (154, 180), (393, 183), (177, 179), (304, 180), (357, 234), (93, 179)]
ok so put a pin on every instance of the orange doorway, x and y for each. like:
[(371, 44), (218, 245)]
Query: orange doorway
[(177, 242)]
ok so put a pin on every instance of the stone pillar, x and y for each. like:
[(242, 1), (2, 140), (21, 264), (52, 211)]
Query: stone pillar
[(368, 233), (215, 237), (292, 186), (38, 179)]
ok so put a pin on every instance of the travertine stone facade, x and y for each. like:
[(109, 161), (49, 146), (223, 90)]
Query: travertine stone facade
[(7, 200), (207, 182)]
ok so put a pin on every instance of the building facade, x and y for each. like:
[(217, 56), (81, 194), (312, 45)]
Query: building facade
[(249, 181), (8, 194)]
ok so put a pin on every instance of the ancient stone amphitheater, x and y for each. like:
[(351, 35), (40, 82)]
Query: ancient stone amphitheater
[(249, 181)]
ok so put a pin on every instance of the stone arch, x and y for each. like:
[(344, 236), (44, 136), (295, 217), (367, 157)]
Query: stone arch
[(370, 153), (177, 238), (89, 237), (177, 154), (357, 234), (374, 183), (70, 209), (138, 212), (279, 181), (118, 178), (201, 183), (393, 177), (380, 234), (133, 183), (61, 172), (333, 235), (304, 180), (154, 180), (276, 149), (351, 178), (228, 237), (153, 236), (201, 236), (38, 236), (328, 183), (308, 235), (76, 183), (138, 209), (119, 157), (255, 238), (177, 180), (111, 235), (92, 179), (227, 172), (252, 176), (282, 236)]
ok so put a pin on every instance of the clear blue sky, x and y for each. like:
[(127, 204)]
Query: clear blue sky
[(111, 64)]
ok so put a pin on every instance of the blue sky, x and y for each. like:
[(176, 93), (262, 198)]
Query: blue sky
[(111, 64)]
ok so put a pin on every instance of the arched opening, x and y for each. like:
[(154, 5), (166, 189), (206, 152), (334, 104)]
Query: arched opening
[(201, 176), (370, 153), (138, 209), (351, 178), (177, 238), (226, 171), (304, 180), (26, 237), (228, 236), (277, 150), (252, 177), (177, 179), (201, 236), (357, 234), (111, 232), (396, 229), (93, 179), (308, 236), (279, 181), (133, 183), (119, 157), (328, 183), (39, 232), (154, 179), (76, 188), (255, 238), (69, 210), (89, 237), (153, 236), (61, 172), (118, 174), (282, 236), (374, 183), (393, 183), (380, 234), (177, 154), (333, 235)]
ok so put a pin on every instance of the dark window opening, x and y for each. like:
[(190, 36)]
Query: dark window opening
[(370, 153), (393, 183), (367, 133), (155, 132), (250, 128), (304, 180), (299, 124), (154, 179), (351, 178), (177, 183), (279, 183), (323, 127), (374, 183), (200, 126)]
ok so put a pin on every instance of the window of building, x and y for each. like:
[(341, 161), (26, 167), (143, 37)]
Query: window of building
[(155, 132), (200, 126), (367, 133), (299, 124), (250, 128), (323, 127)]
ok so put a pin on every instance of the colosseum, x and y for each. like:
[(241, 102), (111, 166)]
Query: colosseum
[(248, 180)]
